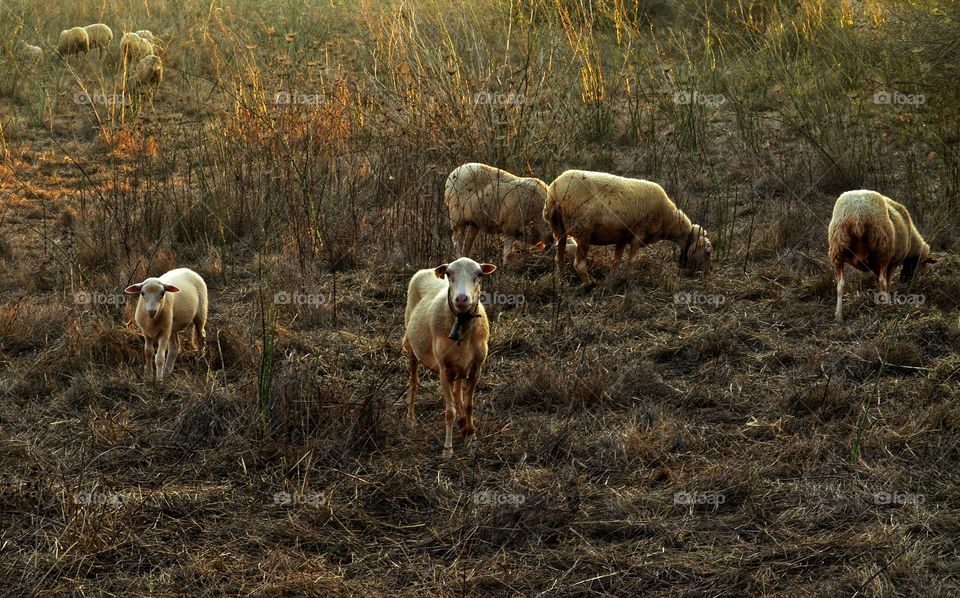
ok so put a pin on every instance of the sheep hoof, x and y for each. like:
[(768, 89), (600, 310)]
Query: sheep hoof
[(448, 453)]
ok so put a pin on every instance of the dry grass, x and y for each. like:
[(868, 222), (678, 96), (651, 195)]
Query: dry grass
[(628, 443)]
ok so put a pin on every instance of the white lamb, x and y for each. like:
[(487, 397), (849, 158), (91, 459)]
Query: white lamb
[(483, 198), (134, 48), (73, 41), (168, 305), (30, 52), (100, 37), (875, 234), (446, 329), (597, 208)]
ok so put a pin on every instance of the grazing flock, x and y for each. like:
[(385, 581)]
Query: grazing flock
[(139, 50), (445, 324)]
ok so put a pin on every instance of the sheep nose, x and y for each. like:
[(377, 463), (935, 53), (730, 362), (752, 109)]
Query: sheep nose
[(152, 313), (461, 300)]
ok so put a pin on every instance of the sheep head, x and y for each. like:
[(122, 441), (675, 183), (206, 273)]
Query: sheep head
[(152, 293), (697, 253), (463, 290)]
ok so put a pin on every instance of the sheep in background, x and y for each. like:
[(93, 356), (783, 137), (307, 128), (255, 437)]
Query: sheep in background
[(446, 329), (73, 41), (483, 198), (133, 48), (874, 234), (30, 52), (149, 71), (167, 305), (147, 35), (100, 37), (597, 208)]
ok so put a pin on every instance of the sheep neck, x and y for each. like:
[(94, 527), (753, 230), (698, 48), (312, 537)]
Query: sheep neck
[(461, 322)]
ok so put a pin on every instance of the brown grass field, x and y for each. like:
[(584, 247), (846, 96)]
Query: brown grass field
[(629, 442)]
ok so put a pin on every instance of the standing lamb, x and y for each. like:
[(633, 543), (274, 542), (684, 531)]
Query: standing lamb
[(597, 208), (134, 48), (446, 329), (483, 198), (875, 234), (167, 305), (100, 37), (73, 41)]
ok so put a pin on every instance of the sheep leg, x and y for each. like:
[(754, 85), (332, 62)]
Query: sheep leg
[(470, 235), (457, 387), (634, 255), (509, 250), (413, 366), (172, 351), (199, 339), (449, 412), (159, 360), (884, 286), (469, 386), (839, 276), (580, 263), (561, 243), (148, 354), (618, 254)]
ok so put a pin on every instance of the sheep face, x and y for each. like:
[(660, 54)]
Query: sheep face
[(697, 255), (916, 264), (152, 294), (463, 288)]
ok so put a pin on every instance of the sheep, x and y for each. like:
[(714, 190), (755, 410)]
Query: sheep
[(100, 37), (30, 52), (167, 305), (604, 209), (149, 71), (134, 48), (446, 329), (73, 41), (875, 234), (147, 35), (480, 197)]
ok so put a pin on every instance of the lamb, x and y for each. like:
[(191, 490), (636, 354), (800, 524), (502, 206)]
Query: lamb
[(73, 41), (875, 234), (134, 48), (30, 52), (481, 197), (167, 305), (149, 71), (446, 329), (100, 37), (603, 209)]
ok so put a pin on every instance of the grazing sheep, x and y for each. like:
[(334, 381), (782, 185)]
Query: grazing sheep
[(874, 234), (134, 48), (73, 41), (167, 305), (446, 329), (30, 52), (100, 36), (149, 71), (597, 208), (480, 197)]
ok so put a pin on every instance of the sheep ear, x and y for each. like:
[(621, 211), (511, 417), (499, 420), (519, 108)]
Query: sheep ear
[(171, 289), (440, 270), (488, 268), (133, 289), (540, 246)]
